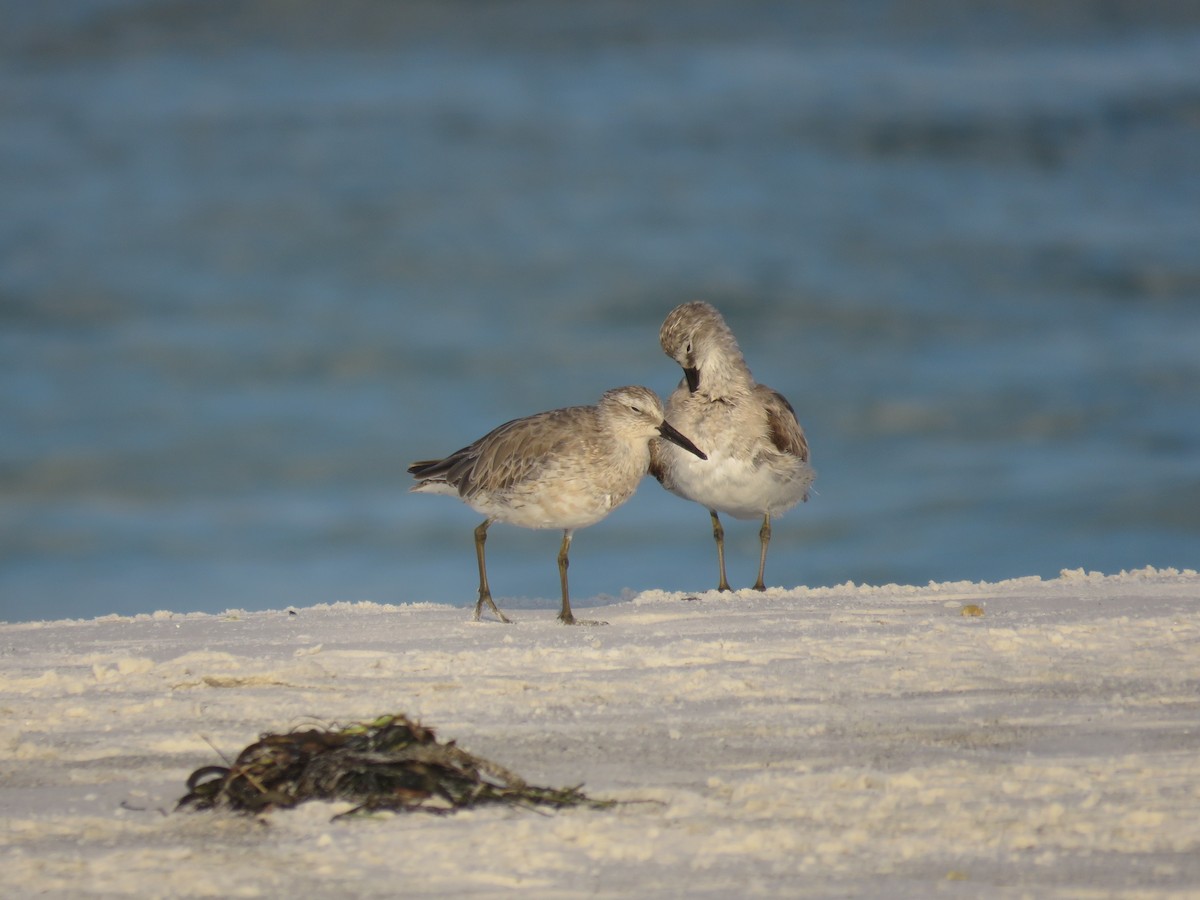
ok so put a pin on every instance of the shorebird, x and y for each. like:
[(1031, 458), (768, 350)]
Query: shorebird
[(757, 453), (565, 468)]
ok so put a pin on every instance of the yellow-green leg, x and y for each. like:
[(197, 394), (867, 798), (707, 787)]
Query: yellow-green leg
[(566, 617), (563, 564), (719, 537), (764, 538), (485, 593)]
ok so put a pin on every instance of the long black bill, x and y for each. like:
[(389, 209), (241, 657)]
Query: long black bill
[(693, 378), (667, 430)]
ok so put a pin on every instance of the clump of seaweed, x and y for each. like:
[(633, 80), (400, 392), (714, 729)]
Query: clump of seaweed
[(389, 764)]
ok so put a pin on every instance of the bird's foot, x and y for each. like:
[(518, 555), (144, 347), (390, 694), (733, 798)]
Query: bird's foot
[(571, 620), (488, 600)]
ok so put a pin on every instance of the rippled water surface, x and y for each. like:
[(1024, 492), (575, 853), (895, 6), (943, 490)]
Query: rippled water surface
[(255, 258)]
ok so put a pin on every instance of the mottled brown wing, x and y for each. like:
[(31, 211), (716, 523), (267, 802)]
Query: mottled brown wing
[(515, 451), (786, 433)]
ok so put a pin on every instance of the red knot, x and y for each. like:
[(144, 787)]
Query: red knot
[(757, 453), (565, 468)]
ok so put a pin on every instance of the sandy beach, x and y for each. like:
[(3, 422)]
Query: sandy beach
[(1027, 738)]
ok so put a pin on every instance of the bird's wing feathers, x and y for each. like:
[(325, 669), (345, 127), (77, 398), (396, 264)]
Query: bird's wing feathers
[(506, 455), (786, 433)]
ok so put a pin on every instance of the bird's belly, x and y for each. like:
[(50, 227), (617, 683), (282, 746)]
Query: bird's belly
[(738, 487), (564, 507)]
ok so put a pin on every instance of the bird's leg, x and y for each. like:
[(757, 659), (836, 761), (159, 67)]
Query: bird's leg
[(719, 537), (566, 617), (563, 563), (485, 593), (764, 538)]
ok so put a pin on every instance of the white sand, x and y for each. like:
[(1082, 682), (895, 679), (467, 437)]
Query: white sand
[(844, 741)]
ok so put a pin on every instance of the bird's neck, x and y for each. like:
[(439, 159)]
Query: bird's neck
[(723, 376)]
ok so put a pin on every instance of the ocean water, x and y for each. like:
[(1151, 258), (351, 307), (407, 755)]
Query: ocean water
[(256, 258)]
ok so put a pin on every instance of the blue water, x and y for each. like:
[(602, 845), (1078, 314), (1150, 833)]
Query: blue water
[(256, 258)]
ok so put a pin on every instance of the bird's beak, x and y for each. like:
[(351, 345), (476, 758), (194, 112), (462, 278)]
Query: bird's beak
[(693, 378), (667, 430)]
